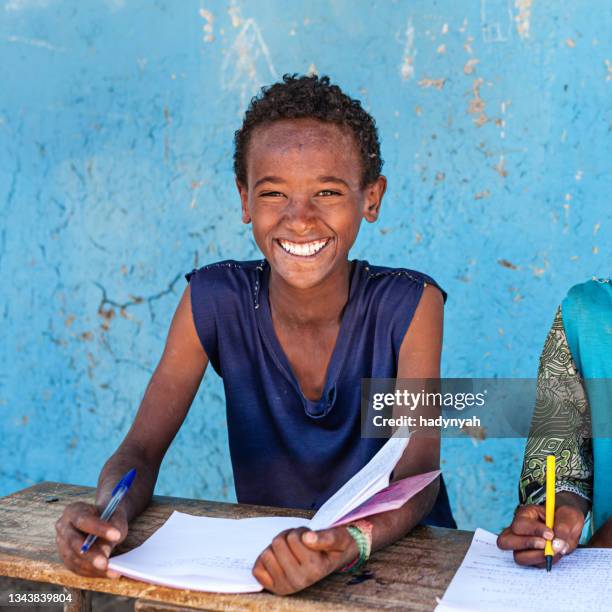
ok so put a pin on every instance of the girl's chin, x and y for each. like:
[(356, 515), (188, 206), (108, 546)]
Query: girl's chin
[(300, 276)]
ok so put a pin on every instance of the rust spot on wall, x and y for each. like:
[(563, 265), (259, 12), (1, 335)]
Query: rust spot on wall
[(436, 83), (476, 106), (476, 433), (507, 264), (107, 314)]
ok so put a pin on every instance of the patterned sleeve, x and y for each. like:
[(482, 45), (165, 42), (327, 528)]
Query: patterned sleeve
[(561, 424)]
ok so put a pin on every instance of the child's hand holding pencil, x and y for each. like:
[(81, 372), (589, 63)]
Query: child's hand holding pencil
[(527, 535)]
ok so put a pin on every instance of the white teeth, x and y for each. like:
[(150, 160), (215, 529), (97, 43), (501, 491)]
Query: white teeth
[(303, 250)]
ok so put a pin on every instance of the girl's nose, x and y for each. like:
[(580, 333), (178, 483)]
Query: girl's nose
[(300, 214)]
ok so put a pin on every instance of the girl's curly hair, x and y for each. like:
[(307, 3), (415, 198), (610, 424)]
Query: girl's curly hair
[(298, 97)]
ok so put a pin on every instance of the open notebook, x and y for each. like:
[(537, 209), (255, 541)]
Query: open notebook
[(216, 554)]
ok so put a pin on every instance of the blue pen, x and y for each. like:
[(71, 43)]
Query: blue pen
[(123, 486)]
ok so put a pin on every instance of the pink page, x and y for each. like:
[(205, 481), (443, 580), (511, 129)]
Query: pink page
[(391, 498)]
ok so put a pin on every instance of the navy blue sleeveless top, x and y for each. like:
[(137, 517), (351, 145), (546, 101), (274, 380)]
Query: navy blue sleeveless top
[(287, 450)]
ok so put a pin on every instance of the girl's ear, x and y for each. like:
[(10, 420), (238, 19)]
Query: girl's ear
[(374, 193), (244, 201)]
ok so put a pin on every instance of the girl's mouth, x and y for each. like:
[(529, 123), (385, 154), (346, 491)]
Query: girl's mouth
[(303, 249)]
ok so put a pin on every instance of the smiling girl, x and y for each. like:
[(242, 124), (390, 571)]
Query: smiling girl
[(292, 336)]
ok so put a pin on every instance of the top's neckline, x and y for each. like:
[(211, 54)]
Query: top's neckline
[(313, 408)]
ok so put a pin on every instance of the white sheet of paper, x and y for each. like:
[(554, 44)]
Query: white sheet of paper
[(204, 553), (214, 554), (489, 579)]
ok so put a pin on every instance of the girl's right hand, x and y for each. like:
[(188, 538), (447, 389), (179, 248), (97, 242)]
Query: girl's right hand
[(527, 535), (78, 521)]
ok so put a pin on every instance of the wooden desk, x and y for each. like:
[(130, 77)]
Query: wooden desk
[(409, 575)]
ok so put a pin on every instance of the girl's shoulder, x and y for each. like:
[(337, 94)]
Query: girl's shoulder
[(227, 268), (385, 278), (225, 285)]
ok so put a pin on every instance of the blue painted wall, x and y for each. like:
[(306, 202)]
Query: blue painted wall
[(116, 124)]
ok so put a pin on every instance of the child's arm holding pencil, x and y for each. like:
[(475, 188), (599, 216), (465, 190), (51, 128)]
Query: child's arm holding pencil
[(164, 407)]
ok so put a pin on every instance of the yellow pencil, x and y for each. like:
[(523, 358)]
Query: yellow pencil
[(550, 507)]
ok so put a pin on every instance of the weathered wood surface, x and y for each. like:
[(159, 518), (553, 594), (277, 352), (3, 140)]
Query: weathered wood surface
[(409, 575)]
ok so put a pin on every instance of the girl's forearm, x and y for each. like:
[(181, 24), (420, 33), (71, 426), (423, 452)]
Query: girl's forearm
[(139, 496), (565, 498), (389, 527), (603, 536)]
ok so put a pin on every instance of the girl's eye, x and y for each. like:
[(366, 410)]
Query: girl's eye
[(328, 192), (271, 194)]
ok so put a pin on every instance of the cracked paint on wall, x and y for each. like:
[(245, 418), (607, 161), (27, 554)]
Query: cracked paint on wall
[(116, 128)]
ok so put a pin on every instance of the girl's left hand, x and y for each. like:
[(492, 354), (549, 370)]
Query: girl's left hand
[(298, 558)]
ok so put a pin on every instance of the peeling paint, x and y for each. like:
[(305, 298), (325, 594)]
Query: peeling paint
[(407, 65), (495, 20), (234, 13), (208, 26), (435, 83), (34, 42), (470, 65), (500, 167), (248, 64), (476, 104), (523, 17)]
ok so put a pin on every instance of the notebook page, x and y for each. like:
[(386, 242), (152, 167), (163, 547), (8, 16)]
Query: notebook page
[(489, 579), (372, 478), (203, 553), (392, 497)]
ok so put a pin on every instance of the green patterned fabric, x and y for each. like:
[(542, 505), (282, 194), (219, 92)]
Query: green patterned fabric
[(561, 425)]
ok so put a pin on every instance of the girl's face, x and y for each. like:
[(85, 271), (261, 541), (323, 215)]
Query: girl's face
[(304, 197)]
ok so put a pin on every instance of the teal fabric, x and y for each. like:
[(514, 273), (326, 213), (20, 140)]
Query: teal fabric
[(587, 318)]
